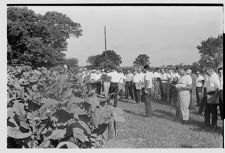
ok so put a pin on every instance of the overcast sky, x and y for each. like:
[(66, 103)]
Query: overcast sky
[(168, 35)]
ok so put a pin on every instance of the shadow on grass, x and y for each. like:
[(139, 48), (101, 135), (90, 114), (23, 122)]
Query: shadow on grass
[(130, 101), (161, 102), (200, 125), (133, 113)]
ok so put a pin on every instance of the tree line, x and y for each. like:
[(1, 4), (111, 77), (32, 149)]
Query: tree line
[(41, 41)]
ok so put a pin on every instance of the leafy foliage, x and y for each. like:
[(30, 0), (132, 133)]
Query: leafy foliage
[(38, 40), (141, 60), (47, 109), (211, 51), (108, 59)]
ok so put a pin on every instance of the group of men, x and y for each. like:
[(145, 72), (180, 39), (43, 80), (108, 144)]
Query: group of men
[(173, 86), (209, 94)]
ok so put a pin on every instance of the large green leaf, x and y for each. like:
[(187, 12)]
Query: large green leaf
[(85, 126), (16, 133), (67, 144), (63, 116), (79, 134), (93, 101), (45, 111), (44, 143), (96, 116), (57, 134), (106, 114), (18, 108)]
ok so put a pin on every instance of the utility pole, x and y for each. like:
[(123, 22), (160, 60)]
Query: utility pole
[(105, 42)]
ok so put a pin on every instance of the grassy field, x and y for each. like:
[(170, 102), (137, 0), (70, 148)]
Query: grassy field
[(163, 130)]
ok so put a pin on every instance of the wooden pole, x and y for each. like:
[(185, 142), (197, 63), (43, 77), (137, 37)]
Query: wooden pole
[(105, 42)]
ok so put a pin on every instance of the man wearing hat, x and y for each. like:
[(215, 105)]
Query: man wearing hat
[(221, 105), (148, 81), (212, 88), (189, 72)]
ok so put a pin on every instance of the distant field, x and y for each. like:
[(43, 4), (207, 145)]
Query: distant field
[(162, 130)]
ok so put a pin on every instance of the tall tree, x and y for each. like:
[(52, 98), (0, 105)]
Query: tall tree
[(141, 60), (71, 62), (211, 51), (108, 59), (196, 67), (38, 40)]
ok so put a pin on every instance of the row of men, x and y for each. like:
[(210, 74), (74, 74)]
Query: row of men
[(173, 85), (133, 83)]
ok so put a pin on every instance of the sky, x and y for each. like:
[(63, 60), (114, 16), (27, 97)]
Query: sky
[(167, 34)]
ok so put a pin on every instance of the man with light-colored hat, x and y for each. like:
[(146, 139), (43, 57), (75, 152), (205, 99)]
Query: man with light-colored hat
[(212, 88), (189, 72)]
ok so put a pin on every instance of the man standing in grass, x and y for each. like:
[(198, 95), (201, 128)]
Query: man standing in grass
[(156, 83), (113, 89), (106, 82), (163, 85), (199, 87), (221, 105), (128, 85), (148, 82), (138, 85), (212, 88), (183, 86), (189, 74)]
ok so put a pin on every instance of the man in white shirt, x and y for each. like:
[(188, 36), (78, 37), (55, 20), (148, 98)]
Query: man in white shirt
[(189, 73), (115, 79), (96, 80), (199, 87), (128, 85), (168, 83), (138, 79), (156, 83), (164, 81), (221, 105), (183, 86), (212, 88), (142, 84), (204, 98), (148, 82), (172, 90), (121, 84), (106, 82)]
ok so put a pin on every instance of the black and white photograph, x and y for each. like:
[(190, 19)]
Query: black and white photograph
[(114, 75)]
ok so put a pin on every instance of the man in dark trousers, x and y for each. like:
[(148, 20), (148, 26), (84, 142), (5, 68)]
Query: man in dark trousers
[(113, 89), (212, 88), (148, 83), (128, 85), (199, 87), (221, 105), (204, 98)]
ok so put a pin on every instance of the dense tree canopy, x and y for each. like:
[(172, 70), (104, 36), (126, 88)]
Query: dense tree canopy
[(38, 40), (211, 51), (108, 59), (141, 60), (71, 62)]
